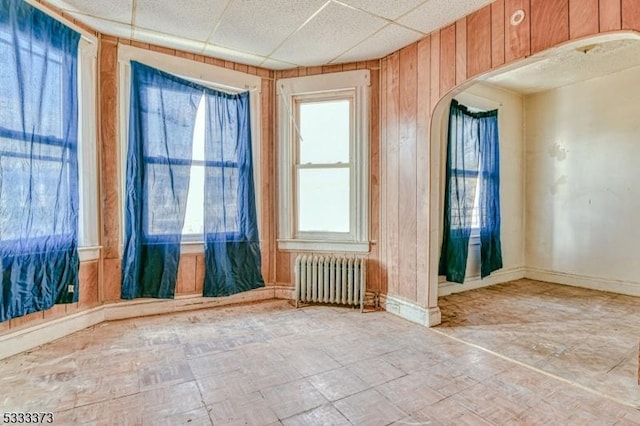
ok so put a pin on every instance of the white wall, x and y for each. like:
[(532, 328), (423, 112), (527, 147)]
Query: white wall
[(510, 124), (583, 183)]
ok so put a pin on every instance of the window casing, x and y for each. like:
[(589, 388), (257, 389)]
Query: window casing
[(218, 78), (323, 162)]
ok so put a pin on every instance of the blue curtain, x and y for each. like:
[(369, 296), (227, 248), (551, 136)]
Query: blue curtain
[(161, 125), (472, 165), (232, 246), (38, 161)]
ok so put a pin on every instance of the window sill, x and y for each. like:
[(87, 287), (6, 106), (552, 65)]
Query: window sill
[(89, 253), (323, 245)]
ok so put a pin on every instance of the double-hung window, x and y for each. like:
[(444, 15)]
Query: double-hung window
[(323, 162)]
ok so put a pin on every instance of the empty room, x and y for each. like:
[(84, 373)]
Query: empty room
[(327, 212)]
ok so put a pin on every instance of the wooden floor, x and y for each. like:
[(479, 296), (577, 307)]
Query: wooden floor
[(269, 363)]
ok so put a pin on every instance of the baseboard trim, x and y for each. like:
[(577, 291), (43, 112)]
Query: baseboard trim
[(30, 337), (592, 283), (411, 311), (446, 288)]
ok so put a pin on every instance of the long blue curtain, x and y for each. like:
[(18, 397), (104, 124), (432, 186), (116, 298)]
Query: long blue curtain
[(161, 125), (472, 165), (38, 161), (232, 246)]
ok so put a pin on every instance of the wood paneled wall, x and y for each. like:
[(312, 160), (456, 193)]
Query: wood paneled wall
[(414, 79), (284, 260)]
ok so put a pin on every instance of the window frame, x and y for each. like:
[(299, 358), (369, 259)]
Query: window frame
[(356, 85), (212, 76)]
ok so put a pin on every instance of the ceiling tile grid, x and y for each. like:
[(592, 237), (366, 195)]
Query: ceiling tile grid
[(276, 34)]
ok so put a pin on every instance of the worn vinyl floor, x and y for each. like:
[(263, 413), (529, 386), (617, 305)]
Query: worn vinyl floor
[(269, 363)]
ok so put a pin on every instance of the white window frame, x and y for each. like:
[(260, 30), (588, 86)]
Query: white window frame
[(288, 92), (88, 222), (223, 79)]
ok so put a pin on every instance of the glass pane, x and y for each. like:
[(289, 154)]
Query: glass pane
[(323, 200), (325, 131), (194, 216)]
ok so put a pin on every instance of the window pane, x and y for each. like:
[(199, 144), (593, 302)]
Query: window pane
[(325, 131), (194, 216), (323, 200)]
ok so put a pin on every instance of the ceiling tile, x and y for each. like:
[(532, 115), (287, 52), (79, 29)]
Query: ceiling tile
[(111, 10), (261, 26), (387, 40), (105, 27), (390, 9), (277, 65), (436, 14), (168, 40), (334, 30), (195, 21), (232, 55)]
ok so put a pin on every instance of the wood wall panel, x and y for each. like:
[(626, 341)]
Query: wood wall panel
[(583, 18), (479, 43), (383, 241), (393, 210), (186, 274), (199, 273), (408, 89), (423, 112), (373, 270), (88, 277), (631, 15), (108, 93), (549, 23), (28, 320), (267, 185), (461, 51), (517, 38), (447, 59), (497, 33), (435, 69), (610, 15), (111, 279)]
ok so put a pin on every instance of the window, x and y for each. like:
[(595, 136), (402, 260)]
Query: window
[(208, 75), (323, 163)]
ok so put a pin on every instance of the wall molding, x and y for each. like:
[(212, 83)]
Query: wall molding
[(411, 311), (628, 288), (446, 288)]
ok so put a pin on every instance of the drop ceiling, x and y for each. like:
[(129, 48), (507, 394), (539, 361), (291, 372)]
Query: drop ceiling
[(275, 34)]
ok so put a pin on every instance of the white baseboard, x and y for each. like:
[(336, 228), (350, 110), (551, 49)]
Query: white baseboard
[(30, 337), (615, 286), (502, 276), (410, 311), (39, 334)]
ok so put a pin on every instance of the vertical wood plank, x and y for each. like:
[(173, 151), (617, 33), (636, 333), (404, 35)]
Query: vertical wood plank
[(435, 69), (631, 15), (199, 274), (56, 311), (479, 44), (517, 38), (186, 274), (383, 241), (27, 320), (111, 279), (549, 23), (283, 271), (497, 33), (583, 18), (461, 51), (393, 210), (268, 213), (373, 271), (88, 277), (610, 15), (447, 59), (407, 168), (422, 171), (108, 57)]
